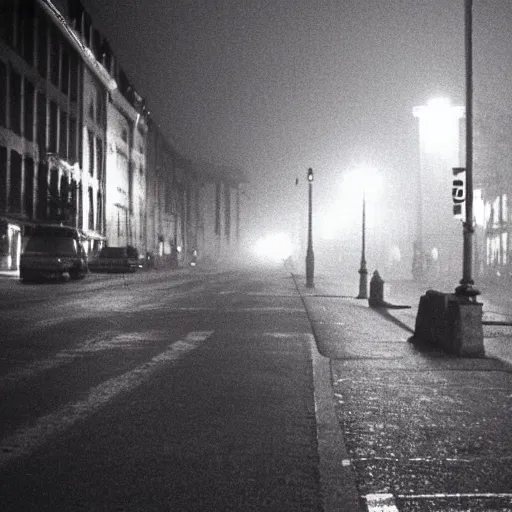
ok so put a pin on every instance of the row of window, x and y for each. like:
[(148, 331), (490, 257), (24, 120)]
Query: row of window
[(25, 111), (95, 151), (37, 192), (227, 210), (26, 29), (496, 212), (48, 115), (497, 249)]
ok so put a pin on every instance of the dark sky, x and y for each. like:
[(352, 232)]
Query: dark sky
[(277, 86)]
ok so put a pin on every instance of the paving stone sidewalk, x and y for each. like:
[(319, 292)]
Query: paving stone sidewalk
[(424, 430)]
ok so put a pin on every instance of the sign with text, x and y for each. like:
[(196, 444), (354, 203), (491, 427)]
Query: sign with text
[(459, 192)]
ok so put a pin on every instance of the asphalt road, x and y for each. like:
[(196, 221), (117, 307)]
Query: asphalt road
[(198, 390), (186, 391)]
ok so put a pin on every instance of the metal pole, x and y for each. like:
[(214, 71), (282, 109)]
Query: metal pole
[(363, 272), (310, 257), (419, 250), (466, 284)]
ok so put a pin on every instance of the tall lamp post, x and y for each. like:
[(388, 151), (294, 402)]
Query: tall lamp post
[(363, 272), (363, 182), (466, 289), (458, 326), (310, 257)]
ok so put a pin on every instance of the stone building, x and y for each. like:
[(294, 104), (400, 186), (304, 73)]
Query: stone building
[(493, 190), (41, 120), (219, 211), (78, 146)]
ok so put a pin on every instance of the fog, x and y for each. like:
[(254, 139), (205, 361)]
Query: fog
[(276, 87)]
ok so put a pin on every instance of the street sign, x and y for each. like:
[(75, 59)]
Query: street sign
[(458, 191)]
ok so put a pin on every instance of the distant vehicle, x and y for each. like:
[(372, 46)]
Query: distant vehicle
[(116, 259), (53, 252)]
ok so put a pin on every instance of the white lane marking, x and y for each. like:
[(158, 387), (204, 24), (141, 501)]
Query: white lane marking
[(26, 439), (266, 294), (255, 309), (380, 503), (386, 502), (258, 309), (431, 459), (506, 495), (108, 341), (284, 334), (173, 310)]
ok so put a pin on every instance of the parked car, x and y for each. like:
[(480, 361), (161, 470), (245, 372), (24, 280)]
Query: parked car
[(116, 259), (53, 252)]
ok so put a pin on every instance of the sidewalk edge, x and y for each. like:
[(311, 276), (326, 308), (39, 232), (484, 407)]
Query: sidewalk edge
[(337, 478)]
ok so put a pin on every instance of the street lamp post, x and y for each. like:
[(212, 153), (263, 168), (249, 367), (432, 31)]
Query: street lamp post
[(363, 272), (466, 289), (310, 257), (458, 326)]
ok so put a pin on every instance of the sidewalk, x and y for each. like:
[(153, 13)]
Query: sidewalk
[(497, 306), (424, 430)]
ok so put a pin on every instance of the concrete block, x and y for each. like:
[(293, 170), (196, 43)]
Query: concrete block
[(431, 321), (451, 323), (466, 332)]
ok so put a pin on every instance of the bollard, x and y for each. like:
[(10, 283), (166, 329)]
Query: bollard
[(376, 299)]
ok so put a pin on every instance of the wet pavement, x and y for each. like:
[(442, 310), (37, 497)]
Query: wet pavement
[(158, 392), (415, 429), (424, 430)]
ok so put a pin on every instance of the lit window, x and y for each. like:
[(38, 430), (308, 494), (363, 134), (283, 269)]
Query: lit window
[(504, 248)]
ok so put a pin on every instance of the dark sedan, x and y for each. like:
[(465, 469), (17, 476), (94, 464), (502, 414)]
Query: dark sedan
[(53, 252), (115, 259)]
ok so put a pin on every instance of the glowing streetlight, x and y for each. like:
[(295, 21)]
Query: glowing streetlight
[(439, 152), (274, 246), (439, 126)]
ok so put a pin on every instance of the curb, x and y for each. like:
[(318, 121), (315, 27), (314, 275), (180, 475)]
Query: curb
[(337, 478)]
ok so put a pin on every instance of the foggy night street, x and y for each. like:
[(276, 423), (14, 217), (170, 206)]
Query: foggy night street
[(158, 392), (255, 256), (195, 390)]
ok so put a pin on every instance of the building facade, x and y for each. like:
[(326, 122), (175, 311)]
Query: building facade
[(436, 226), (493, 189), (78, 146), (40, 119)]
